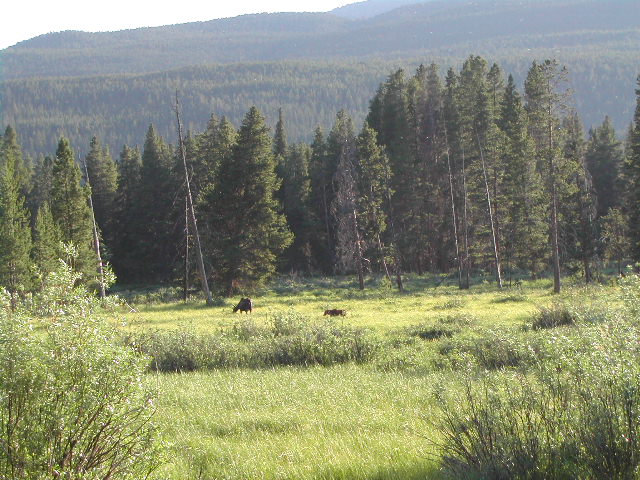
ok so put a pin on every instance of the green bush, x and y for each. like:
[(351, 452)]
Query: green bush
[(72, 401), (288, 339), (430, 331), (557, 315), (574, 412), (493, 350)]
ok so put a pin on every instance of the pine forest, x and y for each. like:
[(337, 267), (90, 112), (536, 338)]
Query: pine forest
[(457, 172)]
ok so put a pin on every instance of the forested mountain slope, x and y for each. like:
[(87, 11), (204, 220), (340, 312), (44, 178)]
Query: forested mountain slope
[(441, 28), (369, 8), (111, 84), (119, 108)]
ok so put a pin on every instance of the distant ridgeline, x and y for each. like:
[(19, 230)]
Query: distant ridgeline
[(113, 85)]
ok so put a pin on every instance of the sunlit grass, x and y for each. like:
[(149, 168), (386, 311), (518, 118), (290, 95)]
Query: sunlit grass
[(377, 307), (340, 422), (371, 421)]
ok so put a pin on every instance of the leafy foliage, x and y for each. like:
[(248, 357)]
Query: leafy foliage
[(72, 400), (288, 339)]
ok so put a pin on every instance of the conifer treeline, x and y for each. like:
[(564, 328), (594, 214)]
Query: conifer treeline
[(461, 174)]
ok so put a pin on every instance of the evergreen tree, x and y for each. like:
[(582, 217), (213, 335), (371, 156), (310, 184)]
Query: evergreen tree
[(615, 234), (280, 154), (296, 192), (633, 181), (375, 175), (245, 231), (389, 116), (280, 137), (42, 183), (342, 147), (546, 93), (213, 146), (126, 228), (605, 160), (524, 224), (579, 233), (15, 234), (321, 171), (103, 178), (70, 209), (12, 152), (47, 246), (481, 143), (156, 242), (456, 166)]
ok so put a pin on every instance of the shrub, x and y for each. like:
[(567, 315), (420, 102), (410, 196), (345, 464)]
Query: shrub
[(453, 303), (495, 349), (630, 290), (574, 414), (430, 331), (511, 297), (288, 339), (72, 402), (557, 315)]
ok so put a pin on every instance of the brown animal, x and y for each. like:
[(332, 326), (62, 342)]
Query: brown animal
[(244, 305), (335, 312)]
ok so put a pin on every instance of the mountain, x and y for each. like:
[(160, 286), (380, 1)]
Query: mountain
[(439, 28), (369, 8), (312, 64)]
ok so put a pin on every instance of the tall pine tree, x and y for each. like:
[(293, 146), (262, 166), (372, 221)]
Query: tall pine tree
[(70, 209), (546, 93), (103, 178), (633, 181), (156, 230), (126, 228), (15, 234), (244, 229)]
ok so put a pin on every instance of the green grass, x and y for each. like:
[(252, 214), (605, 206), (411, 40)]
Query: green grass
[(371, 421), (318, 423), (380, 308)]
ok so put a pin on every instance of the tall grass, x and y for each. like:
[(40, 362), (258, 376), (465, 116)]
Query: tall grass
[(283, 394), (342, 422), (288, 339)]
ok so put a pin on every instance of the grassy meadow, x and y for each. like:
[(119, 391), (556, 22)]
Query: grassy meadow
[(376, 417)]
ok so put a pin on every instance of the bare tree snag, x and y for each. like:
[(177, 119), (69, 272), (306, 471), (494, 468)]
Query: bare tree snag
[(192, 214)]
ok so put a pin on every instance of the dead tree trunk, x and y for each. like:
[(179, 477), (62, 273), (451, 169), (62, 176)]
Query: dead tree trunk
[(96, 238), (192, 214), (358, 250), (453, 211), (493, 230), (185, 294), (465, 226)]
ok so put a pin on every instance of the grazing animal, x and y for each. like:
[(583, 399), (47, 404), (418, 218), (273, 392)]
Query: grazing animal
[(335, 312), (244, 305)]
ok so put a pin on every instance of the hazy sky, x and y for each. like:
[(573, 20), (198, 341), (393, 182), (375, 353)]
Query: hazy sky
[(24, 19)]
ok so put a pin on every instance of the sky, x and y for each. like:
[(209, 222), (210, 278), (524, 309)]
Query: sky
[(26, 19)]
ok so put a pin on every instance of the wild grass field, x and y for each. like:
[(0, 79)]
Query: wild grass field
[(285, 393)]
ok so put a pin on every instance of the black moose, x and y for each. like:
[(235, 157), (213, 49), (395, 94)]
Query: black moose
[(244, 305)]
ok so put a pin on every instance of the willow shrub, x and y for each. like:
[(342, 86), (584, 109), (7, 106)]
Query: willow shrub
[(288, 339), (573, 412), (72, 401)]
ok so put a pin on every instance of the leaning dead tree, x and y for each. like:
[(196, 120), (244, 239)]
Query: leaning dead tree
[(96, 237), (191, 211), (496, 253), (453, 210)]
